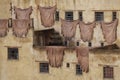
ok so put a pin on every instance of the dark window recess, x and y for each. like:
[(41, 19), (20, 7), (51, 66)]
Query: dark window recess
[(12, 53), (102, 44), (47, 38), (99, 16), (108, 72), (114, 16), (57, 16), (89, 44), (80, 16), (78, 70), (77, 43), (68, 65), (69, 15), (44, 67), (65, 43)]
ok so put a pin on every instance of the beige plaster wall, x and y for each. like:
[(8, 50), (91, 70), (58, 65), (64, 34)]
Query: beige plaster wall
[(27, 67)]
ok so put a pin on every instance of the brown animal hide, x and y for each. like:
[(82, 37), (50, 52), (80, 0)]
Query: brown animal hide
[(109, 31), (3, 27), (55, 55), (83, 58), (23, 13), (87, 30), (47, 15), (20, 27), (68, 28)]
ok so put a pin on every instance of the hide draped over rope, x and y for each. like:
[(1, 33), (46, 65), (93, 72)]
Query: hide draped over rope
[(87, 30), (68, 28), (109, 31), (47, 15), (20, 27), (3, 27), (55, 55), (82, 54), (23, 13)]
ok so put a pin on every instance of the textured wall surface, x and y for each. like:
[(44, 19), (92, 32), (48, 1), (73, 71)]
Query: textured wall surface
[(27, 67)]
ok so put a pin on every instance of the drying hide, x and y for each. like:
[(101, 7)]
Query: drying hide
[(20, 27), (82, 54), (55, 55), (109, 31), (47, 15), (3, 27), (68, 28), (87, 30), (23, 13)]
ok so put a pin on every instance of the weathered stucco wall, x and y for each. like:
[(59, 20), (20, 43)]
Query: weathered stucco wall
[(27, 67)]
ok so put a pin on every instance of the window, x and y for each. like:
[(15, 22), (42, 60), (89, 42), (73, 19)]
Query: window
[(99, 16), (44, 67), (69, 15), (12, 53), (77, 43), (80, 16), (114, 16), (68, 65), (108, 72), (89, 44), (57, 16), (78, 70)]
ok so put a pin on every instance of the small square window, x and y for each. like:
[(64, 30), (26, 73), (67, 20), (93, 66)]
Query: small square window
[(57, 16), (114, 16), (99, 16), (69, 15), (108, 72), (44, 68), (78, 70), (80, 16), (12, 53)]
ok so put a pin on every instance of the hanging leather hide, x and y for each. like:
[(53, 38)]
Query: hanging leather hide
[(47, 15), (3, 27), (20, 27), (82, 54), (55, 55), (68, 28), (87, 30), (23, 13), (109, 31)]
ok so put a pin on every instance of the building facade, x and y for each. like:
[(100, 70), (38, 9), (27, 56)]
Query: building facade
[(31, 63)]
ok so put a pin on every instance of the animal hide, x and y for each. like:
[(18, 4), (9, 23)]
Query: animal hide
[(68, 28), (3, 27), (109, 31), (55, 55), (47, 15), (87, 30), (82, 54), (20, 27), (23, 13)]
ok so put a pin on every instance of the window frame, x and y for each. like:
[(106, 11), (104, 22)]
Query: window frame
[(70, 18), (99, 16), (57, 16), (44, 69), (78, 70), (108, 72), (114, 15), (13, 53), (80, 15)]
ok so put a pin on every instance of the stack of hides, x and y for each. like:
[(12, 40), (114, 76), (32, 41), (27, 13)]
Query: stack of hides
[(22, 22)]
